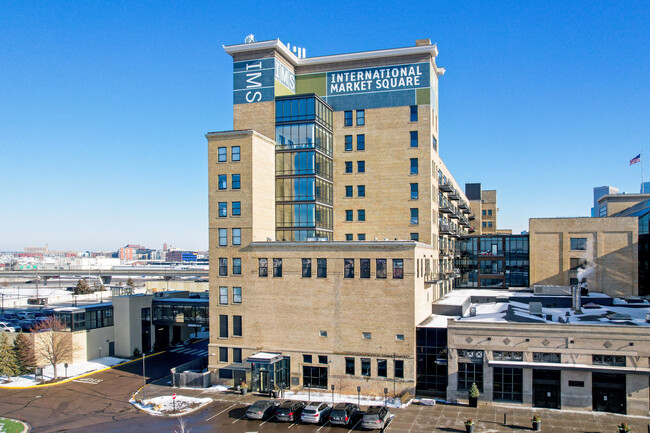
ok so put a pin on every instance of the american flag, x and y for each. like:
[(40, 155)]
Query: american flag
[(635, 159)]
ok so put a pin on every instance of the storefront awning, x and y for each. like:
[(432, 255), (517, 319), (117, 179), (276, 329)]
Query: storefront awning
[(264, 358)]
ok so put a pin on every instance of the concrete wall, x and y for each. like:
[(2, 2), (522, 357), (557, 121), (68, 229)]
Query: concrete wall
[(128, 323), (611, 254), (163, 285)]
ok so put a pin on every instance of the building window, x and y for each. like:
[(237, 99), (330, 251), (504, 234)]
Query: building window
[(321, 268), (468, 373), (382, 368), (361, 237), (415, 219), (348, 143), (349, 215), (489, 212), (223, 181), (223, 154), (399, 369), (263, 266), (277, 267), (484, 224), (434, 143), (322, 359), (508, 384), (381, 268), (613, 360), (361, 190), (223, 266), (348, 166), (414, 113), (399, 337), (365, 366), (236, 236), (364, 265), (366, 335), (236, 181), (415, 236), (578, 244), (322, 333), (223, 354), (236, 208), (236, 355), (578, 264), (223, 295), (414, 139), (347, 118), (414, 166), (361, 166), (236, 326), (306, 268), (349, 237), (361, 142), (414, 191), (484, 212), (499, 355), (235, 153), (348, 268), (223, 209), (306, 359), (349, 366), (546, 357), (348, 191), (489, 223), (361, 215), (236, 295), (361, 117), (398, 268), (236, 266), (223, 326)]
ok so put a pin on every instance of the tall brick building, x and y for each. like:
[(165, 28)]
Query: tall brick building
[(333, 220)]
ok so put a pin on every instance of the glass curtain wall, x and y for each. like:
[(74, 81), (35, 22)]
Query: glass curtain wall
[(303, 167)]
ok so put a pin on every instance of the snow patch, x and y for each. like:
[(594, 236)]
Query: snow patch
[(165, 405)]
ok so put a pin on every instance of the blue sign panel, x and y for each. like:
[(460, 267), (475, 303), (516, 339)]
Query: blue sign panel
[(285, 76), (381, 79), (253, 81)]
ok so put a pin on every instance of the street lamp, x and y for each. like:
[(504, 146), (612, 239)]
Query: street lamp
[(385, 396), (332, 395), (359, 396)]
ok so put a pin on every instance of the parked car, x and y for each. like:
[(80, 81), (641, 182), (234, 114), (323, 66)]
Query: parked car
[(315, 413), (344, 413), (376, 417), (9, 316), (7, 327), (262, 409), (290, 410), (24, 315), (27, 325)]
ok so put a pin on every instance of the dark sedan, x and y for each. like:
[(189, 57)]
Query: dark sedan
[(290, 410)]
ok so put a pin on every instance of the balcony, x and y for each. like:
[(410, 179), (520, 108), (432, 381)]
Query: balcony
[(453, 195), (454, 215), (466, 210), (445, 187), (471, 217), (445, 208), (463, 206), (445, 229)]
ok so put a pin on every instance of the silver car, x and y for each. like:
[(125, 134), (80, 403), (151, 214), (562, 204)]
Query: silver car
[(315, 413), (262, 409), (375, 418), (8, 327)]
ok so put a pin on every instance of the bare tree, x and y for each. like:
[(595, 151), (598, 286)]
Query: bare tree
[(182, 426), (53, 344)]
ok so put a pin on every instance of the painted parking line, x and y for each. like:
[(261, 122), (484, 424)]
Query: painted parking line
[(214, 416), (355, 426), (327, 422), (390, 421), (239, 419), (268, 420), (295, 423)]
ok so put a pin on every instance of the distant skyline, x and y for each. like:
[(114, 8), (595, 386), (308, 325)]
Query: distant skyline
[(105, 106)]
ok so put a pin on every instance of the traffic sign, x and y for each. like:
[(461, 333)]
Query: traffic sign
[(173, 396)]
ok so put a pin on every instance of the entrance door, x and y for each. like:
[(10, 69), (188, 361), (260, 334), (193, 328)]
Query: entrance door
[(176, 336), (546, 388), (264, 381), (609, 392), (162, 337)]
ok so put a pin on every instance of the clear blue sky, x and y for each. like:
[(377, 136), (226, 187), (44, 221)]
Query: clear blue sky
[(104, 105)]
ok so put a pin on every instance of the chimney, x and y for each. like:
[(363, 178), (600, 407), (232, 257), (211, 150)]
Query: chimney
[(422, 42)]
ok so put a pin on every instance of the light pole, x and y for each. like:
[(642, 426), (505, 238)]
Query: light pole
[(385, 396), (332, 395), (359, 396), (144, 379)]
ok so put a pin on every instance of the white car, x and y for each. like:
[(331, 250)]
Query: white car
[(7, 327)]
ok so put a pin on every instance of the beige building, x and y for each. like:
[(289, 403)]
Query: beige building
[(483, 203), (610, 204), (542, 351), (332, 158), (564, 251)]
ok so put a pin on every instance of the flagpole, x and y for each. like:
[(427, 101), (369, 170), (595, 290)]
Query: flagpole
[(642, 184)]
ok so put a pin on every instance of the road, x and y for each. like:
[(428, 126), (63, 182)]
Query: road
[(78, 405)]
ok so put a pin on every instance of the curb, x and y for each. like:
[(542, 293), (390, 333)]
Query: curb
[(70, 379), (26, 427)]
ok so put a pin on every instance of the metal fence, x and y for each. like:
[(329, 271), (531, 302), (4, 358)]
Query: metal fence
[(191, 374)]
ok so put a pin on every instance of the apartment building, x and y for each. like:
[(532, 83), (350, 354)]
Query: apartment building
[(483, 219), (333, 164)]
